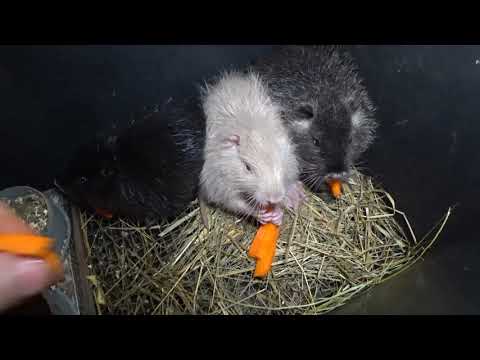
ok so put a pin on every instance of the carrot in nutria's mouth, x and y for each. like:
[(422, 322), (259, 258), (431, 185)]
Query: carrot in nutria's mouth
[(105, 213), (335, 188)]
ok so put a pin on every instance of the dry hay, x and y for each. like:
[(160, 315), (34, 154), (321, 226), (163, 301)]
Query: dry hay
[(327, 253)]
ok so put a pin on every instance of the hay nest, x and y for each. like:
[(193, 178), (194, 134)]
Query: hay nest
[(327, 253)]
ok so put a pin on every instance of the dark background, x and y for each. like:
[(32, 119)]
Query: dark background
[(52, 98)]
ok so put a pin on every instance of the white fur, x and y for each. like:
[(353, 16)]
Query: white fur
[(238, 104), (358, 118), (302, 125)]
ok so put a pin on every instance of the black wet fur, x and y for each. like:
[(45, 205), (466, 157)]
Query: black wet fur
[(320, 84), (148, 170)]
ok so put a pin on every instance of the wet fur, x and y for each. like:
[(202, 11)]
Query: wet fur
[(323, 101), (150, 169), (237, 104)]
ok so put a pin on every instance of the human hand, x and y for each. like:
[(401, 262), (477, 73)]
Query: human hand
[(20, 277)]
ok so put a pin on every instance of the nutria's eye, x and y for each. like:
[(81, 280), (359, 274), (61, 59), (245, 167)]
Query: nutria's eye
[(83, 180), (247, 166), (316, 142), (305, 112), (105, 172)]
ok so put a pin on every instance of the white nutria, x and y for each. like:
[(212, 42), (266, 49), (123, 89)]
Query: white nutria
[(250, 161)]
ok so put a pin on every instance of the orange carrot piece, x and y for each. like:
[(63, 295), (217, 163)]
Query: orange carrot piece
[(53, 260), (25, 244), (263, 248), (31, 245), (336, 188), (104, 213), (257, 242), (262, 267)]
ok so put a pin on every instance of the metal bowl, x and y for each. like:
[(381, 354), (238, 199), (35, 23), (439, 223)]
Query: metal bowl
[(58, 224), (59, 229)]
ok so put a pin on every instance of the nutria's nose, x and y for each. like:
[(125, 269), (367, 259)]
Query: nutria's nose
[(338, 175), (337, 168), (274, 199)]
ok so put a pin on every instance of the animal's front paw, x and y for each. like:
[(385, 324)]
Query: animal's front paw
[(274, 216), (295, 196)]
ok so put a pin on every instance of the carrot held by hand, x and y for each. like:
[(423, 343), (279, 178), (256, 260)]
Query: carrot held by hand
[(31, 245), (52, 259), (25, 244)]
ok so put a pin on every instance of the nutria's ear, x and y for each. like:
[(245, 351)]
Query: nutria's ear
[(233, 140), (304, 112), (303, 117), (358, 118)]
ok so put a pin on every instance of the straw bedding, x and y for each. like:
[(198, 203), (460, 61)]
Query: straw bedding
[(328, 252)]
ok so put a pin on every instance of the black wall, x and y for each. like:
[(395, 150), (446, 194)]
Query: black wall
[(52, 98), (427, 156)]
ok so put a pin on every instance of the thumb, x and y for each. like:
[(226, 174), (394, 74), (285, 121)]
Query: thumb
[(21, 278)]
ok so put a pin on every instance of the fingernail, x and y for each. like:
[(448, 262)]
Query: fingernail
[(32, 276)]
